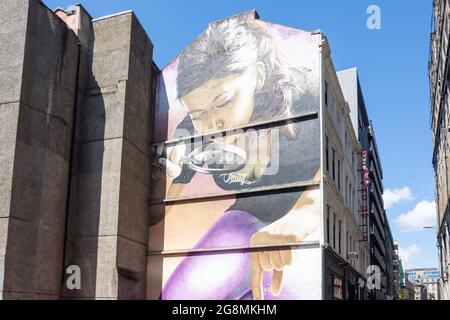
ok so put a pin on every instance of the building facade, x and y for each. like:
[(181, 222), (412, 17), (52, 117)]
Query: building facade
[(323, 167), (439, 94), (396, 272), (373, 220), (241, 170), (428, 277), (76, 104), (346, 253), (420, 291)]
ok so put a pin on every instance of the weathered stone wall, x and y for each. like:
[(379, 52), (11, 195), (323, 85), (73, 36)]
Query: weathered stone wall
[(12, 38), (108, 219), (38, 58), (73, 195)]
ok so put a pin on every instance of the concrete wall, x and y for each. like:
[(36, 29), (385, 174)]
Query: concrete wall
[(348, 80), (12, 37), (82, 203), (108, 219), (38, 60)]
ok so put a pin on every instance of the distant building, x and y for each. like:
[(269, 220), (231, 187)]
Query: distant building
[(428, 277), (420, 291), (396, 272)]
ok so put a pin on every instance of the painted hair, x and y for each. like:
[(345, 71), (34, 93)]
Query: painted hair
[(231, 48)]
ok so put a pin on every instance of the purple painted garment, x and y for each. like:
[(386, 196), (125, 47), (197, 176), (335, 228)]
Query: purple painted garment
[(221, 276)]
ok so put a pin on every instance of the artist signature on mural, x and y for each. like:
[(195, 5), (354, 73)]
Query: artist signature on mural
[(233, 177)]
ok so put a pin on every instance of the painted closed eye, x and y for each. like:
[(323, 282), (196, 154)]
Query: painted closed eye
[(226, 103), (223, 100)]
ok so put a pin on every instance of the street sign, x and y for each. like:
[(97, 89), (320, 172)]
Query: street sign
[(353, 256)]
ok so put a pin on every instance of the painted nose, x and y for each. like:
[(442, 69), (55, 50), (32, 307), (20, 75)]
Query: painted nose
[(212, 123), (219, 124)]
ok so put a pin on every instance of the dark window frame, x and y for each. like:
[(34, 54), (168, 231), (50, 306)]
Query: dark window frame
[(339, 174), (328, 223), (327, 153), (340, 237), (334, 230), (333, 163)]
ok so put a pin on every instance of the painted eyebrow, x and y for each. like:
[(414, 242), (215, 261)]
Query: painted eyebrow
[(226, 93)]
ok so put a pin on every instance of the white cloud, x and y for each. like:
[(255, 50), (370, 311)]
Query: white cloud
[(393, 196), (408, 255), (423, 215)]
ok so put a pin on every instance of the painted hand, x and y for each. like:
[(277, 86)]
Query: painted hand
[(269, 261), (302, 221), (170, 164)]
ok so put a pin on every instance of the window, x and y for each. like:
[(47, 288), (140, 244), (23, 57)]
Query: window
[(328, 223), (339, 174), (327, 157), (326, 93), (348, 243), (346, 143), (351, 248), (340, 229), (334, 160), (337, 287), (339, 128), (347, 191), (350, 198), (334, 230), (354, 202)]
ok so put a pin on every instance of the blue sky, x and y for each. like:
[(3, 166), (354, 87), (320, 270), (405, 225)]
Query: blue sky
[(392, 64)]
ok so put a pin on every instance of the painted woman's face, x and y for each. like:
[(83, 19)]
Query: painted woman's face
[(222, 103)]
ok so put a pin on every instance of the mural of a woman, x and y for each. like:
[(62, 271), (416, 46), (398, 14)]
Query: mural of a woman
[(231, 76)]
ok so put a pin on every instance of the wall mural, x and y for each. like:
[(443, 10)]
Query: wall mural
[(236, 166)]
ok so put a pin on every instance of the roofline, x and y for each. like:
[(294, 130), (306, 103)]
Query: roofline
[(85, 10), (76, 5), (112, 15), (422, 269), (249, 13), (348, 69)]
